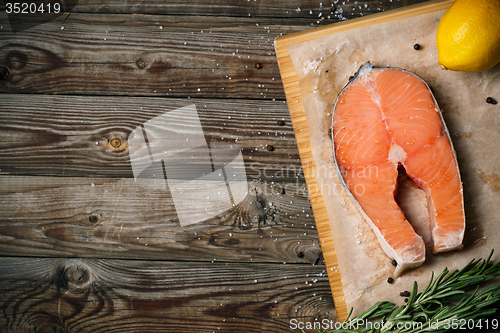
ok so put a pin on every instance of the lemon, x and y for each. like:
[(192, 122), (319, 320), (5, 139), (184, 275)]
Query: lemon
[(468, 36)]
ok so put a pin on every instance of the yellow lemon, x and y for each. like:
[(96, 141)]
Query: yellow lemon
[(468, 36)]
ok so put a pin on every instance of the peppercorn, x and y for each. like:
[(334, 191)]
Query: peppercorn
[(390, 280), (416, 46), (491, 100), (404, 293), (394, 262)]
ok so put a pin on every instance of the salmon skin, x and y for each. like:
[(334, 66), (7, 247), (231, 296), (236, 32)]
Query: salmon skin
[(383, 120)]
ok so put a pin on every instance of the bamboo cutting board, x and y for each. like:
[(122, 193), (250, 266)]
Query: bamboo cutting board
[(290, 81)]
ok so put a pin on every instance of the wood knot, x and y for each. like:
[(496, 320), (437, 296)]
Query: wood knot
[(313, 256), (51, 326), (255, 210), (4, 73), (95, 217), (77, 277), (115, 142), (77, 274), (17, 59), (140, 64)]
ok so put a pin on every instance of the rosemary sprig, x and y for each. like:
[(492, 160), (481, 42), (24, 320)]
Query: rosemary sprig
[(444, 305)]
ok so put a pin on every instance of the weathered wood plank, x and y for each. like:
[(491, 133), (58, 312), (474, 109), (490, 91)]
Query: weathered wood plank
[(159, 55), (232, 8), (79, 295), (117, 218), (154, 55), (73, 136)]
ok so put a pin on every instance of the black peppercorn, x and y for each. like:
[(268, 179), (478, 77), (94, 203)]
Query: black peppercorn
[(416, 46), (390, 280), (406, 300), (394, 262), (491, 100), (404, 293)]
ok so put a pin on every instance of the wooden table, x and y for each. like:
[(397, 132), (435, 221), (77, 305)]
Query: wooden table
[(83, 248)]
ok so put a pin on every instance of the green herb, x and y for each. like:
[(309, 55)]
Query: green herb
[(451, 301)]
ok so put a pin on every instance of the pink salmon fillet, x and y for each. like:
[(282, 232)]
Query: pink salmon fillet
[(385, 119)]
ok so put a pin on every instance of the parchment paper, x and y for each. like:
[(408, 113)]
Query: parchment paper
[(323, 66)]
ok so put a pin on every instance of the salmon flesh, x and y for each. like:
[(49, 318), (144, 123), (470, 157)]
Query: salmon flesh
[(383, 120)]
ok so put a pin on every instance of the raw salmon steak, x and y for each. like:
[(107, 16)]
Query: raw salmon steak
[(386, 119)]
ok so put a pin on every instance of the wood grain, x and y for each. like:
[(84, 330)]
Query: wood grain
[(73, 135), (78, 295), (147, 54), (292, 90), (276, 9), (117, 218), (234, 8)]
